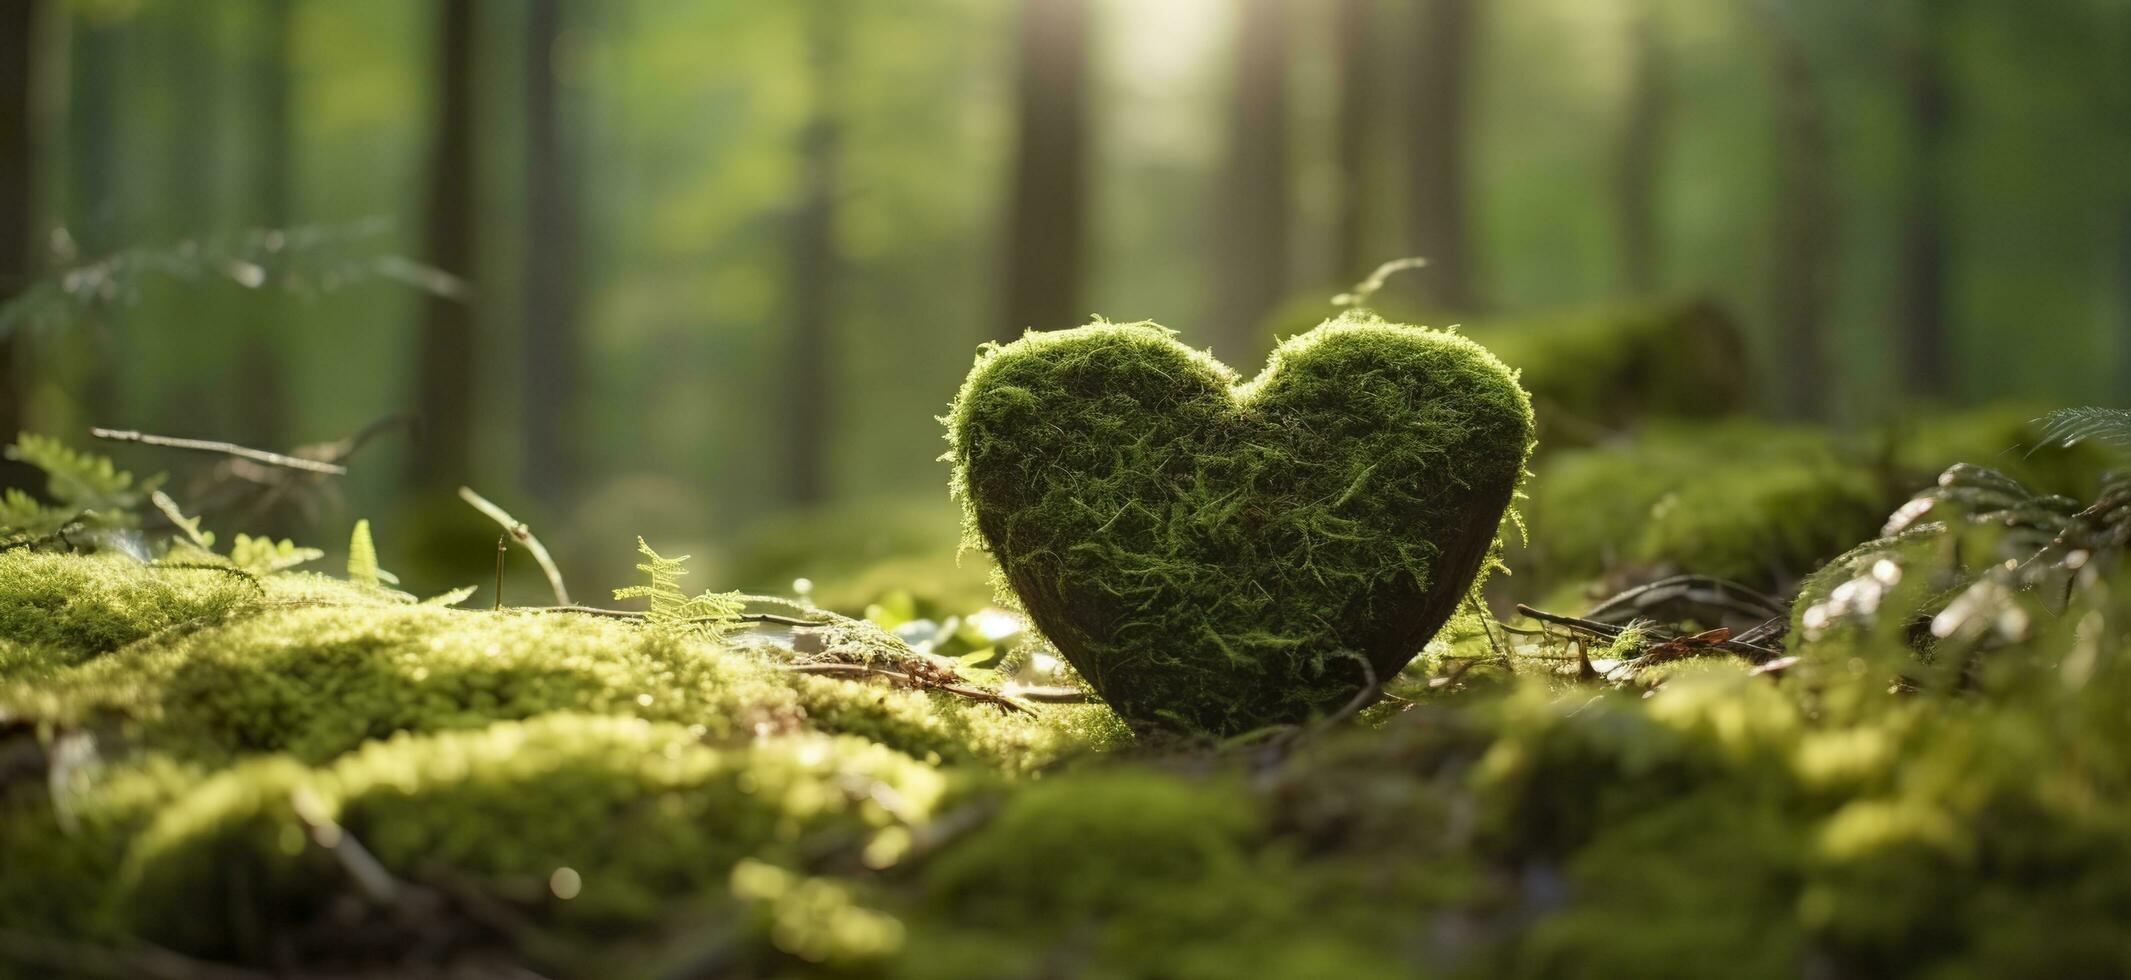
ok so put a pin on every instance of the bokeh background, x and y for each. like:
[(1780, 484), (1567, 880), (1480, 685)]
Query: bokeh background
[(707, 271)]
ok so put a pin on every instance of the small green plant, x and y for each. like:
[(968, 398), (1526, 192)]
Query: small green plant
[(709, 615), (362, 558), (84, 487)]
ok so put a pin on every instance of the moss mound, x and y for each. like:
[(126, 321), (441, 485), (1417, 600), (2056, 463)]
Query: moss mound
[(1220, 556), (309, 777), (1758, 502), (1597, 369), (630, 813)]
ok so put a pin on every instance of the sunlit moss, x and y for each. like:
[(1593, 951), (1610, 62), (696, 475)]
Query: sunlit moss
[(89, 606), (1751, 502), (1214, 555), (640, 813), (181, 784), (316, 670)]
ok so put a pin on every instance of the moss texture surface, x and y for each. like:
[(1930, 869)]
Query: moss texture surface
[(317, 778), (1219, 555)]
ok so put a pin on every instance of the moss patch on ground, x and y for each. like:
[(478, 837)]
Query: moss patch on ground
[(1595, 370), (1758, 502), (1219, 556), (308, 776)]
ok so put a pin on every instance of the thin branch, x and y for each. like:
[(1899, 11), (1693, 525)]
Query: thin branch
[(1048, 695), (225, 448), (978, 694), (72, 525), (79, 959), (768, 618), (517, 529), (503, 547), (1608, 631)]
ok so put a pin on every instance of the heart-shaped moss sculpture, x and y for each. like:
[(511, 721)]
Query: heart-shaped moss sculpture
[(1216, 555)]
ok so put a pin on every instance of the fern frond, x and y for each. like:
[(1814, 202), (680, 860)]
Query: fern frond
[(307, 260), (81, 481), (203, 540), (265, 556), (2068, 427), (708, 616), (22, 514), (362, 558)]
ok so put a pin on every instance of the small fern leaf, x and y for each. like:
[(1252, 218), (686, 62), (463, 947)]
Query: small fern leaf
[(190, 526), (362, 556), (264, 556), (2068, 427), (453, 597), (671, 611), (81, 481), (22, 514)]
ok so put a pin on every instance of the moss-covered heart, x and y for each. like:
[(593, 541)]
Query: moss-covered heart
[(1218, 556)]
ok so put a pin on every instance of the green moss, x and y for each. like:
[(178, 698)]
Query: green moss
[(90, 606), (1139, 873), (641, 814), (1597, 369), (1219, 556), (1749, 501), (315, 671)]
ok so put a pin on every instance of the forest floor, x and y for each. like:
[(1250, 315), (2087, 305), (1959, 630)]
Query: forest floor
[(214, 763)]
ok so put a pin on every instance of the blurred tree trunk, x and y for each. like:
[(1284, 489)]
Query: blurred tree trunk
[(810, 386), (18, 205), (1802, 257), (552, 345), (96, 215), (2123, 282), (1047, 215), (1357, 109), (1642, 149), (1442, 74), (1921, 276), (1253, 247), (445, 379), (262, 392)]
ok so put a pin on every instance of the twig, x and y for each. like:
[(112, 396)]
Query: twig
[(72, 525), (503, 546), (1705, 590), (225, 448), (79, 959), (1608, 631), (769, 618), (1048, 695), (978, 694), (517, 529), (368, 873)]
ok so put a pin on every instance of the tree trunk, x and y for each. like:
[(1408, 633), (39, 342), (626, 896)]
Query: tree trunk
[(1253, 246), (18, 207), (1802, 258), (86, 360), (1642, 149), (262, 396), (445, 375), (1047, 214), (552, 349), (1357, 107), (1921, 276), (1439, 232), (810, 386)]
